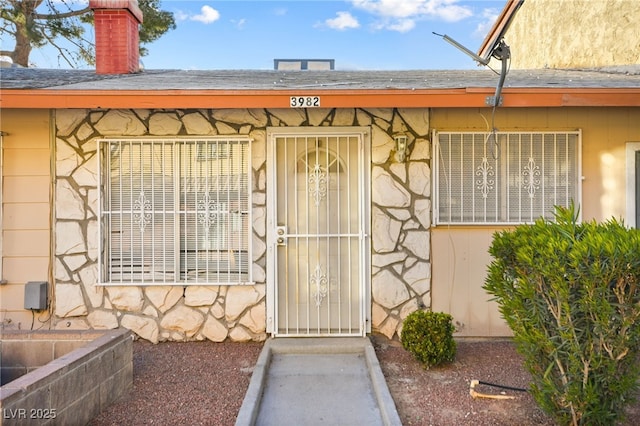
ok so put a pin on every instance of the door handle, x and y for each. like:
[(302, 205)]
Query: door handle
[(281, 231)]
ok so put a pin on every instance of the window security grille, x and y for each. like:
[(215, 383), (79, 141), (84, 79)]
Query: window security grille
[(504, 177), (175, 211)]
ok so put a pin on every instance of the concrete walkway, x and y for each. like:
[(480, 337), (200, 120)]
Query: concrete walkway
[(318, 381)]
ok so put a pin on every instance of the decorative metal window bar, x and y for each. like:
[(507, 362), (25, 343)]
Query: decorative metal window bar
[(504, 177), (175, 211)]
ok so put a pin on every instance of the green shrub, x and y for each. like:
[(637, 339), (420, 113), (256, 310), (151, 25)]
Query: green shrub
[(569, 291), (429, 337)]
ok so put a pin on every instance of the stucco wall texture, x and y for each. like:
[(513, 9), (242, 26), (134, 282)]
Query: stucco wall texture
[(575, 34)]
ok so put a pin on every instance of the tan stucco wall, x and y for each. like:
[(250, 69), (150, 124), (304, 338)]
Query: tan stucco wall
[(575, 33), (460, 255), (26, 211)]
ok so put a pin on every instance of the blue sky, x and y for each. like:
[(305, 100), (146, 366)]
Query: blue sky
[(357, 34)]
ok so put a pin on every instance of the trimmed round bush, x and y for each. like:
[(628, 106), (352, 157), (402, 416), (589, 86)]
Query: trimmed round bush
[(429, 337)]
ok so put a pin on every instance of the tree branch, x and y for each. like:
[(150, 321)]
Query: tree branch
[(7, 31), (62, 52), (70, 14)]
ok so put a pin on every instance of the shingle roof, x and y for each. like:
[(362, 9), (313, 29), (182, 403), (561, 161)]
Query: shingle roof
[(158, 80)]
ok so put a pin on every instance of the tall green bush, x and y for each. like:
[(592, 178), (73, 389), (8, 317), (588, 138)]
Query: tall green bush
[(570, 293)]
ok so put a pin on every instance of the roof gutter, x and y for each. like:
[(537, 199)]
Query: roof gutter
[(386, 98)]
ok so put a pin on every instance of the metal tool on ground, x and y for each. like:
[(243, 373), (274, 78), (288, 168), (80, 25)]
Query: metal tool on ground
[(474, 394)]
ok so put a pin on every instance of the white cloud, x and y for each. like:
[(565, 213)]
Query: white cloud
[(207, 15), (390, 8), (399, 25), (280, 11), (452, 13), (239, 23), (402, 25), (489, 16), (180, 16), (401, 15), (343, 21)]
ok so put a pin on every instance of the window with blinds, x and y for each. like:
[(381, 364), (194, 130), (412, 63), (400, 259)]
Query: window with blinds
[(175, 211), (504, 177)]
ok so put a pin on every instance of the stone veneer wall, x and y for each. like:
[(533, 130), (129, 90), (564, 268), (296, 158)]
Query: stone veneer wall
[(400, 210)]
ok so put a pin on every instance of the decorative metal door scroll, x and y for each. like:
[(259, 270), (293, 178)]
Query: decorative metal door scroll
[(319, 285), (318, 232), (318, 183)]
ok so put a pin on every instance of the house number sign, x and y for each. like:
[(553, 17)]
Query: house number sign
[(304, 101)]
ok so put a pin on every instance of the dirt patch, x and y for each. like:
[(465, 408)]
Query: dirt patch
[(193, 383), (440, 395)]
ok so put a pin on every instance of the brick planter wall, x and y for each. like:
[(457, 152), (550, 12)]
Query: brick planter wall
[(71, 388)]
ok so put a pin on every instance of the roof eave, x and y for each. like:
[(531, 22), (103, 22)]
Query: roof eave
[(369, 98)]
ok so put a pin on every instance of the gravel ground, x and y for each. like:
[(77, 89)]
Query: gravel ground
[(440, 395), (203, 383), (192, 383)]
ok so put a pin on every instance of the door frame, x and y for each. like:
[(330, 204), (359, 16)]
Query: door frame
[(271, 225)]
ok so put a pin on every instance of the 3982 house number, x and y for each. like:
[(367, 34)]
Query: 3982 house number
[(304, 101)]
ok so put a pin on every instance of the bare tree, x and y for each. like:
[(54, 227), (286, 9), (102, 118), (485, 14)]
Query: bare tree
[(34, 24)]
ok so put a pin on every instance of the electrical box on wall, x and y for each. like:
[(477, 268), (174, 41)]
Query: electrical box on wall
[(35, 295)]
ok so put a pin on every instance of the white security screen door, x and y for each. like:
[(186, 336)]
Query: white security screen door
[(318, 232)]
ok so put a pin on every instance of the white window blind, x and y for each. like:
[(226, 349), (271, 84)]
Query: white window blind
[(504, 177), (175, 211)]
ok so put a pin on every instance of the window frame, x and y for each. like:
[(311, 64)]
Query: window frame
[(2, 279), (631, 177), (503, 186), (177, 217)]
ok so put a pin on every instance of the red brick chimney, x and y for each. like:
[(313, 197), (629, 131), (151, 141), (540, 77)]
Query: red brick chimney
[(117, 37)]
